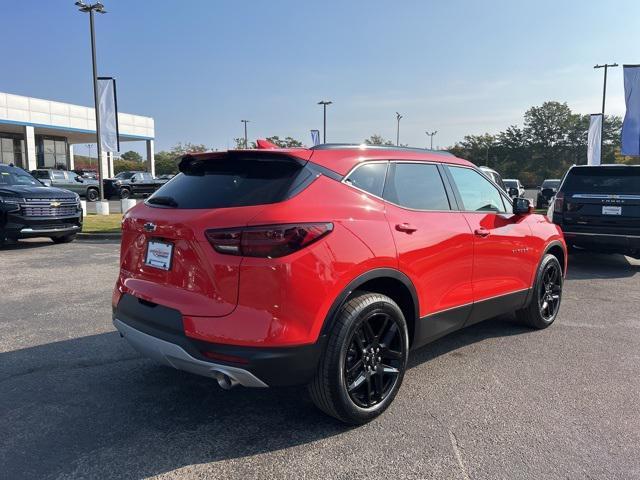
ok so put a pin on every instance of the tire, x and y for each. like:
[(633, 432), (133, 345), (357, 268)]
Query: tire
[(367, 349), (547, 295), (125, 193), (65, 239), (93, 195)]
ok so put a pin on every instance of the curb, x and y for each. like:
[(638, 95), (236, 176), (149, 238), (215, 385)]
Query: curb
[(98, 236)]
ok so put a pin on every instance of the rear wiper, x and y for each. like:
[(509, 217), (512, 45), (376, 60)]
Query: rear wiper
[(168, 201)]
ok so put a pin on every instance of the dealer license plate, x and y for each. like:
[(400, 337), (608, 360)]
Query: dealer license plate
[(159, 254), (608, 210)]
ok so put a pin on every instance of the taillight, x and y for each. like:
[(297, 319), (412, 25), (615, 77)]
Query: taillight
[(559, 202), (269, 241)]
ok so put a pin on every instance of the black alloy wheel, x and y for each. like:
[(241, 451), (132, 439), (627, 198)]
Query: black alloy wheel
[(550, 291), (374, 359)]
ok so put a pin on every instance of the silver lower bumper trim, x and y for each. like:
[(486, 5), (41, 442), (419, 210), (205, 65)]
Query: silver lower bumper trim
[(173, 355), (70, 228)]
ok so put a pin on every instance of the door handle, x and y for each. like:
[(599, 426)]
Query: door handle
[(405, 227), (482, 232)]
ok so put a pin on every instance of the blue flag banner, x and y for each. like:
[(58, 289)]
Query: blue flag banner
[(631, 125), (315, 137)]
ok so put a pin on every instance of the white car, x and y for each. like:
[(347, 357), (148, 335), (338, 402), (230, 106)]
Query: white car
[(514, 187)]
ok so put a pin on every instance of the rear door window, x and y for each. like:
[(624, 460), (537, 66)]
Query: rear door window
[(221, 183), (417, 186), (369, 177), (603, 180)]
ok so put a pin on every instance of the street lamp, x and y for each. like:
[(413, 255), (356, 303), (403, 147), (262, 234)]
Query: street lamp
[(324, 104), (90, 9), (398, 117), (431, 134), (245, 133)]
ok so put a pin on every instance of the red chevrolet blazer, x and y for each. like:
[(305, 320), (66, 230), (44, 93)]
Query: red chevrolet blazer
[(326, 266)]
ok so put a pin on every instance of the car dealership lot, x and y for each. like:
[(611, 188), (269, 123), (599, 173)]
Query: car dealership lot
[(492, 401)]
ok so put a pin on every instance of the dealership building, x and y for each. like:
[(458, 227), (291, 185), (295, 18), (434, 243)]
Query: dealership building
[(37, 133)]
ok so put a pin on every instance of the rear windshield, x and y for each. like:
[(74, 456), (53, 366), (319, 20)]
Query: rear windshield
[(613, 180), (232, 183), (550, 184), (511, 183)]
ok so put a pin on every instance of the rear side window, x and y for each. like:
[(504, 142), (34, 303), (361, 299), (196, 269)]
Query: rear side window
[(57, 175), (41, 174), (417, 186), (476, 192), (369, 177), (231, 183), (607, 180)]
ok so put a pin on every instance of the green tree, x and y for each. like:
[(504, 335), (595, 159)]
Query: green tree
[(239, 141), (120, 165), (376, 139), (131, 156), (287, 142)]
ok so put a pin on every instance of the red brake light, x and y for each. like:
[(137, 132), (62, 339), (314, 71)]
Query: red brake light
[(269, 241), (559, 202)]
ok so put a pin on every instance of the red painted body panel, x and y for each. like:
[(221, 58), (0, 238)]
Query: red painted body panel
[(268, 302)]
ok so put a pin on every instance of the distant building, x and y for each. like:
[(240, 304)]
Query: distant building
[(36, 133)]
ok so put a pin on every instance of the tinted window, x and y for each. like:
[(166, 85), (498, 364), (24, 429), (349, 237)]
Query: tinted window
[(41, 174), (550, 184), (124, 175), (610, 180), (57, 175), (478, 194), (418, 186), (231, 183), (511, 183), (369, 177)]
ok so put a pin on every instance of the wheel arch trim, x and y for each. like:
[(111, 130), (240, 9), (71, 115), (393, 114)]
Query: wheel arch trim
[(376, 273)]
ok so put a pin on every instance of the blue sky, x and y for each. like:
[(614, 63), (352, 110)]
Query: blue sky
[(199, 67)]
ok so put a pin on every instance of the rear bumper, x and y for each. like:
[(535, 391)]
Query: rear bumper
[(609, 242), (172, 355), (157, 332)]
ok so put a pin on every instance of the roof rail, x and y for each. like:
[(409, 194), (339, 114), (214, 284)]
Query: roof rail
[(364, 146)]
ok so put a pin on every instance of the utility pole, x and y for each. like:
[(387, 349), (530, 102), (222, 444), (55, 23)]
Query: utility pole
[(90, 9), (324, 104), (431, 134), (398, 117), (245, 133), (604, 98)]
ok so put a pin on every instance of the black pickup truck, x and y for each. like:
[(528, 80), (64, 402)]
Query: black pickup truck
[(130, 183), (30, 209)]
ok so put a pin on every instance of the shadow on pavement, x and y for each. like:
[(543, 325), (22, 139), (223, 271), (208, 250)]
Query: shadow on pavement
[(589, 265), (92, 406)]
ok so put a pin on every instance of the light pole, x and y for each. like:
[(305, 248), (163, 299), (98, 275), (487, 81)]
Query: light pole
[(431, 134), (324, 104), (604, 97), (245, 133), (398, 117), (90, 9)]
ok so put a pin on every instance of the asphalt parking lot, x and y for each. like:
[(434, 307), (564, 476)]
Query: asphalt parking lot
[(492, 401)]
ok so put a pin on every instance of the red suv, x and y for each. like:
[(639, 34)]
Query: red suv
[(325, 266)]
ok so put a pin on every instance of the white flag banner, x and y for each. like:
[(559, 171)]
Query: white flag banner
[(593, 140), (108, 111), (315, 137)]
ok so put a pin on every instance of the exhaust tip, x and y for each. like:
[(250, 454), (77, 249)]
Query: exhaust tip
[(225, 381)]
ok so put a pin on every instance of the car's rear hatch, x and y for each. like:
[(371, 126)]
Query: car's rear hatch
[(602, 199), (218, 191)]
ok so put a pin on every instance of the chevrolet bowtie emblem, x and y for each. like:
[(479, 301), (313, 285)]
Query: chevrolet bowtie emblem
[(55, 204), (149, 227)]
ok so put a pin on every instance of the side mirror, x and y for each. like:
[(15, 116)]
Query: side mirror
[(522, 206), (133, 179), (513, 192), (79, 179)]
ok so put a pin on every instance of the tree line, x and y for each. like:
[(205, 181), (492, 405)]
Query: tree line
[(550, 140)]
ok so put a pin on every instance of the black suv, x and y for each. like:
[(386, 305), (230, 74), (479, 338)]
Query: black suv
[(30, 209), (598, 208)]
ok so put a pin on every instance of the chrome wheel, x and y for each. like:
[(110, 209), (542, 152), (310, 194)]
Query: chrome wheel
[(374, 360), (550, 291)]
